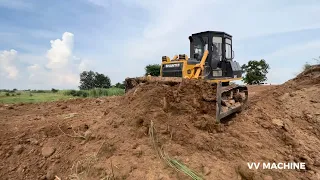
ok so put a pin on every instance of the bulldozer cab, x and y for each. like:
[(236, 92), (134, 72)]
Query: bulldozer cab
[(219, 44), (219, 62)]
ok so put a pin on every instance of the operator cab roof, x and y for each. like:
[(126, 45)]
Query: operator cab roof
[(217, 33)]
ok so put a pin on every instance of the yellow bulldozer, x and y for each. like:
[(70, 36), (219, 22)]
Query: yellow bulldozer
[(211, 59)]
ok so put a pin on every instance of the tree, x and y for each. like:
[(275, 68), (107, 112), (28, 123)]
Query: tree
[(101, 81), (153, 69), (120, 85), (90, 80), (256, 71), (87, 80)]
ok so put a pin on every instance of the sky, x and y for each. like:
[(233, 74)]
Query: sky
[(46, 44)]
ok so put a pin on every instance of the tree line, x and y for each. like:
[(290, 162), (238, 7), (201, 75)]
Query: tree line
[(255, 72), (90, 80)]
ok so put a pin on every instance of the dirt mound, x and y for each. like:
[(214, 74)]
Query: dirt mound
[(109, 138), (309, 77)]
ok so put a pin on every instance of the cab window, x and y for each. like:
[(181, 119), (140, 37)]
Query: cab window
[(228, 49)]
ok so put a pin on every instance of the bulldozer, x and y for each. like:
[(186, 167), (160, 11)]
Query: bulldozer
[(211, 59)]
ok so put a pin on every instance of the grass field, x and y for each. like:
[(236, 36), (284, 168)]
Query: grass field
[(48, 96)]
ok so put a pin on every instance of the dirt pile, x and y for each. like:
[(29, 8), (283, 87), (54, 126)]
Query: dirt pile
[(109, 137)]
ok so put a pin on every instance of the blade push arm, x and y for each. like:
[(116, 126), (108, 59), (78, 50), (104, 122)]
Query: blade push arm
[(200, 67)]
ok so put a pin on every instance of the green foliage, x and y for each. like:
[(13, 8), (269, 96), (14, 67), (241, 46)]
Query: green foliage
[(48, 95), (40, 91), (115, 91), (27, 97), (256, 71), (153, 69), (54, 90), (306, 66), (120, 85), (96, 92), (90, 80)]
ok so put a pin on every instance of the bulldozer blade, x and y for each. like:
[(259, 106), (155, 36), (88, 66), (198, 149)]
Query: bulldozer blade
[(131, 83), (238, 94)]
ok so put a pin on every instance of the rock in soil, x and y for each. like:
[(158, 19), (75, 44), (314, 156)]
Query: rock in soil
[(47, 151), (18, 149)]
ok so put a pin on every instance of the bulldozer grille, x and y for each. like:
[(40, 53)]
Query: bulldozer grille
[(172, 70), (172, 74)]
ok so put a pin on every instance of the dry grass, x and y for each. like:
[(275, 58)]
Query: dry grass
[(81, 169), (178, 166)]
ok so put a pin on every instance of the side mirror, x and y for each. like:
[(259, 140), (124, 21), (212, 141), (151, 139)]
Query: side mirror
[(232, 54)]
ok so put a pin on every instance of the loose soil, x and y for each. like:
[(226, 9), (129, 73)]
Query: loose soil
[(108, 138)]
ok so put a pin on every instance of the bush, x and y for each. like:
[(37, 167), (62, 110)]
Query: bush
[(120, 85), (19, 93), (307, 66), (85, 94), (7, 94), (73, 92), (81, 93), (54, 90), (97, 92)]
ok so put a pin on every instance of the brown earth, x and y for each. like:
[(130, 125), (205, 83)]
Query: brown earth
[(107, 138)]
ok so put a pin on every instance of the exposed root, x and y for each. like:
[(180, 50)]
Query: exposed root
[(76, 135)]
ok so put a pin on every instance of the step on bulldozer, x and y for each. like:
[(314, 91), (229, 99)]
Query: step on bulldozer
[(211, 59)]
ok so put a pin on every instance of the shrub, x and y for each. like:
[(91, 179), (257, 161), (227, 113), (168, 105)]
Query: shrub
[(7, 94), (85, 94), (54, 90), (19, 93), (73, 92), (307, 66), (12, 94)]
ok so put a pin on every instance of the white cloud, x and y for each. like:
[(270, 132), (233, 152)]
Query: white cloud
[(7, 66), (61, 51), (85, 65), (62, 68)]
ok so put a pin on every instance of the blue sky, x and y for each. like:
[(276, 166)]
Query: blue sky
[(46, 44)]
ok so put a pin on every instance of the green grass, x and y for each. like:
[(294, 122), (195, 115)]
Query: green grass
[(48, 96), (98, 92), (27, 97)]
